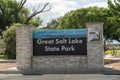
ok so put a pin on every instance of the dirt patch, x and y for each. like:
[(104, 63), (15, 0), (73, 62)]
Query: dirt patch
[(4, 66), (115, 57), (115, 61), (115, 65)]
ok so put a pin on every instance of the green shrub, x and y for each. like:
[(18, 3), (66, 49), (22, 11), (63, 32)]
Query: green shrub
[(10, 42), (1, 56)]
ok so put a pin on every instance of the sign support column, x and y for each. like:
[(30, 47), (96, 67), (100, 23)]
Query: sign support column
[(24, 47), (95, 48)]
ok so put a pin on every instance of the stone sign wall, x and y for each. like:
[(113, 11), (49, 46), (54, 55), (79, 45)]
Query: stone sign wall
[(30, 62)]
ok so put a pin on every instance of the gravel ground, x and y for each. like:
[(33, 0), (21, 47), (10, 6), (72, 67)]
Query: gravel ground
[(59, 77)]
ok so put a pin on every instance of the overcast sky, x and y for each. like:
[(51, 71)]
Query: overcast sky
[(60, 7)]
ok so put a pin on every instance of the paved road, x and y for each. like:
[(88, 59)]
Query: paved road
[(59, 77)]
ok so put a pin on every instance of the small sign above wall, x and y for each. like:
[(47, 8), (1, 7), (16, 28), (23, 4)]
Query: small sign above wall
[(94, 35), (59, 42)]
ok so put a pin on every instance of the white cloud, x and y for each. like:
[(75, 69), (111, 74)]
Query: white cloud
[(50, 1), (60, 7), (100, 4), (63, 6)]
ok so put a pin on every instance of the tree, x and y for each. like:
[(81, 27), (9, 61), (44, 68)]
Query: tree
[(12, 11), (111, 28), (35, 21), (52, 24), (15, 12), (10, 41), (114, 7), (114, 20), (78, 18), (38, 11)]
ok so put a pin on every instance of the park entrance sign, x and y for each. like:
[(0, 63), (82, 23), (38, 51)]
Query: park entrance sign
[(60, 51), (60, 42)]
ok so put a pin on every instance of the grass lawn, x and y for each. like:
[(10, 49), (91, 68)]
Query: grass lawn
[(111, 51), (1, 56)]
